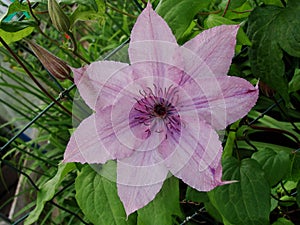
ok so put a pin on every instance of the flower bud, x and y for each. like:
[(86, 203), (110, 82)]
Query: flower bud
[(59, 19), (266, 89), (54, 65)]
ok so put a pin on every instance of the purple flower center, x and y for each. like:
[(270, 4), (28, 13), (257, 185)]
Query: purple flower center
[(160, 110), (155, 112)]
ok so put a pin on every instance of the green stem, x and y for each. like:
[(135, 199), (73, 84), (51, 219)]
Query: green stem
[(75, 48), (228, 148)]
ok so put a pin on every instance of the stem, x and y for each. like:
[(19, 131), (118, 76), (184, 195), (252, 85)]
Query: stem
[(75, 48), (34, 79), (31, 13), (53, 41), (228, 148), (245, 11), (226, 8), (120, 11)]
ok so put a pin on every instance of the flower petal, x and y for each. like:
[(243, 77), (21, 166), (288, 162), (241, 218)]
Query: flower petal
[(91, 79), (213, 48), (152, 41), (84, 145), (107, 135), (149, 28), (139, 179), (197, 156), (220, 100), (202, 180)]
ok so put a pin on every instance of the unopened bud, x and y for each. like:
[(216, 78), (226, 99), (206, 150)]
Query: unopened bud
[(54, 65), (59, 19), (266, 89)]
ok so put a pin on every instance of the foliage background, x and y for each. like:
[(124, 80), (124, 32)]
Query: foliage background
[(260, 150)]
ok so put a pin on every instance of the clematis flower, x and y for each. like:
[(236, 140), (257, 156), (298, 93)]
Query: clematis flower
[(159, 115)]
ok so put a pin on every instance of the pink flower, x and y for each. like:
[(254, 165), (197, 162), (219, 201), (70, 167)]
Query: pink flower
[(159, 114)]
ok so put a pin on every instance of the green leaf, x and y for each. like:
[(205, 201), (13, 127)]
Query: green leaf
[(47, 191), (241, 12), (271, 30), (85, 12), (180, 14), (295, 171), (283, 221), (15, 7), (89, 3), (273, 2), (233, 4), (10, 37), (92, 3), (294, 84), (214, 20), (98, 198), (298, 194), (16, 25), (246, 201), (196, 196), (202, 197), (275, 164), (165, 205)]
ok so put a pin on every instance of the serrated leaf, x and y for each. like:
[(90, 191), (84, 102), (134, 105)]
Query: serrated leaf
[(283, 221), (275, 164), (98, 198), (47, 191), (246, 201), (271, 30), (165, 205), (85, 12), (179, 14)]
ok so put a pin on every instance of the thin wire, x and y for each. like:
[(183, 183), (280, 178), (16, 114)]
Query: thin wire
[(69, 211), (21, 219), (62, 94), (187, 219), (265, 112), (21, 172), (35, 118)]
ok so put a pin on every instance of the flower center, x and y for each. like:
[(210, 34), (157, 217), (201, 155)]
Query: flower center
[(155, 112), (160, 110)]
